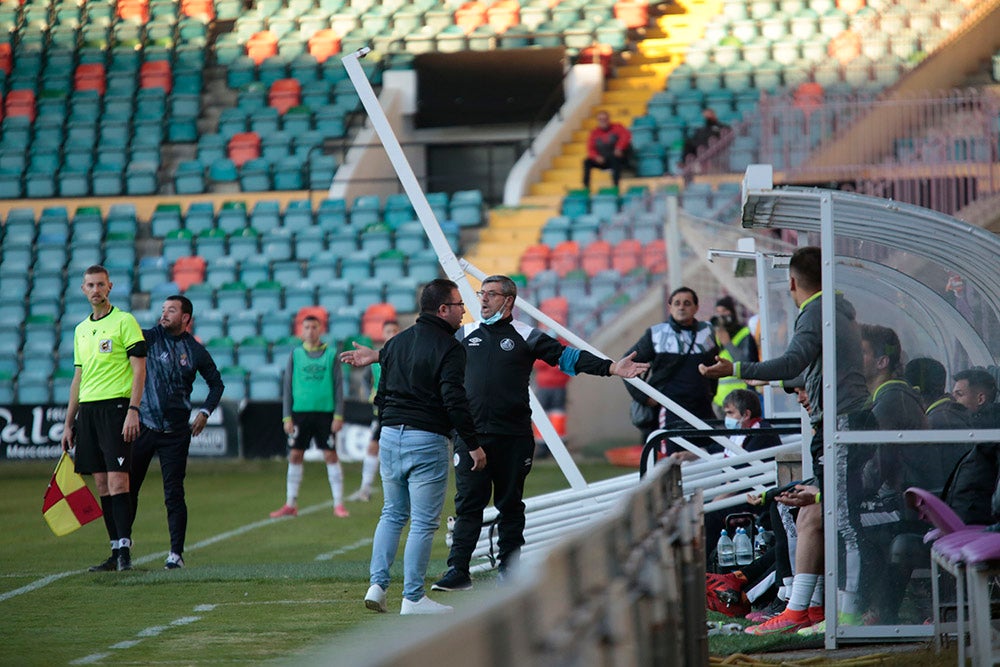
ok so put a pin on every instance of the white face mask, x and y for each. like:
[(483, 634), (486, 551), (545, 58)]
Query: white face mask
[(494, 318), (732, 423)]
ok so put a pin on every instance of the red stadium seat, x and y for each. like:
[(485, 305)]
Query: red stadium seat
[(565, 258), (156, 74)]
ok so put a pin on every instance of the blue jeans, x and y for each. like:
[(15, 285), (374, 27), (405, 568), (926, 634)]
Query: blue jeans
[(414, 470)]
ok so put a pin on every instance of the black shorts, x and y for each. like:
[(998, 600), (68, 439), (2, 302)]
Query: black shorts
[(100, 446), (313, 426)]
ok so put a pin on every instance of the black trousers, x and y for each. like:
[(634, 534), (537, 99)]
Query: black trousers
[(172, 450), (508, 462), (615, 164)]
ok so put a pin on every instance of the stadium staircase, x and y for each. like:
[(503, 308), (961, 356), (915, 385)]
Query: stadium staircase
[(658, 51)]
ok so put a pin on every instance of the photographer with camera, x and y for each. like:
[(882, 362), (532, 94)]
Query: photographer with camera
[(736, 343)]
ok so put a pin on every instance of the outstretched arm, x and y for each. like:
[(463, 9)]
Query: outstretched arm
[(360, 356), (628, 367)]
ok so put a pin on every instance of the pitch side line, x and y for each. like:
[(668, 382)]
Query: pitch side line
[(236, 532)]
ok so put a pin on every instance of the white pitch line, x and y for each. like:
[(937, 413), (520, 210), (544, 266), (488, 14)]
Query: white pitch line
[(152, 631), (93, 657), (45, 581), (343, 550)]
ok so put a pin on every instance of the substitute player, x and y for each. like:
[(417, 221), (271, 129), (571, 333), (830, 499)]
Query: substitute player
[(311, 395), (109, 353)]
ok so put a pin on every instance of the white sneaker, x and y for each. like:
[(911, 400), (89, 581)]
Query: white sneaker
[(424, 605), (375, 599), (360, 496), (174, 562)]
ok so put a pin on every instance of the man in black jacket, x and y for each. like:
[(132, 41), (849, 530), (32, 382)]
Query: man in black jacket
[(501, 352), (173, 358), (421, 399)]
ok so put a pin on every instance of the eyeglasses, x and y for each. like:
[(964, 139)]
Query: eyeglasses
[(454, 303), (490, 294)]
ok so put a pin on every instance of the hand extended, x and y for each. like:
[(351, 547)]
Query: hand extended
[(360, 356), (626, 367), (478, 459), (800, 496), (68, 438), (722, 368)]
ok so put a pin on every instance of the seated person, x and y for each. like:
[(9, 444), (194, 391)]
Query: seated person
[(608, 147)]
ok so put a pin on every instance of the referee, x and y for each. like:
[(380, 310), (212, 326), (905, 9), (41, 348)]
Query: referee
[(109, 354), (174, 359)]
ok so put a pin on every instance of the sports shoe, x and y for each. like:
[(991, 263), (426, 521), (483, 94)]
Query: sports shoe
[(286, 510), (375, 599), (110, 565), (813, 630), (453, 580), (770, 611), (424, 605), (360, 496), (341, 512), (174, 562), (124, 559), (816, 613), (786, 622)]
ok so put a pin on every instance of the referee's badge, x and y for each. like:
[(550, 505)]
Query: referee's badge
[(105, 346)]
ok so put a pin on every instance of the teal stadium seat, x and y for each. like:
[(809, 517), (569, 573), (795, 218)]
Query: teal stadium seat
[(255, 269)]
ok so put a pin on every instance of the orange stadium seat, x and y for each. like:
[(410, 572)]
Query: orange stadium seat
[(261, 46), (534, 259), (318, 312), (470, 16), (189, 271), (596, 257), (198, 9), (90, 76), (654, 256), (556, 307), (565, 258), (284, 94), (323, 44), (626, 256), (503, 14), (244, 146), (156, 74), (375, 316)]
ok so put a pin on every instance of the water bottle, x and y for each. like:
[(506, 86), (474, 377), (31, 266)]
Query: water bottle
[(725, 551), (759, 544), (743, 547)]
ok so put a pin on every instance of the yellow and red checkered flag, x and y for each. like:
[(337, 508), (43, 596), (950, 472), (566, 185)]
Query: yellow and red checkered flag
[(68, 503)]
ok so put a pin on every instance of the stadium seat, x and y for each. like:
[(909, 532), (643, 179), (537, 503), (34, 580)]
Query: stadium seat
[(265, 383), (209, 324), (231, 298), (565, 257), (300, 295), (333, 295), (211, 244), (265, 296), (188, 271), (244, 245), (401, 294), (243, 324), (235, 379)]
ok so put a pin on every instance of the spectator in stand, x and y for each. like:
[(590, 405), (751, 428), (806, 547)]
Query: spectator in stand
[(736, 343), (608, 147), (704, 135)]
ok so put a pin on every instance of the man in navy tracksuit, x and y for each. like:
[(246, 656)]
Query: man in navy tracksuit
[(173, 359), (500, 354)]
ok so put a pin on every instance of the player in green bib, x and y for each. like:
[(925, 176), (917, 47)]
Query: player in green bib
[(311, 400), (109, 353)]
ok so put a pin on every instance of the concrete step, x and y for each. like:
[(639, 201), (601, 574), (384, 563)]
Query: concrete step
[(626, 97), (646, 83), (547, 202), (519, 235), (522, 218), (659, 70), (551, 189)]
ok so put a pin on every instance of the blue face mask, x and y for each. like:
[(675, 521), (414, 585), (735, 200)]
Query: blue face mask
[(494, 318), (732, 423)]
